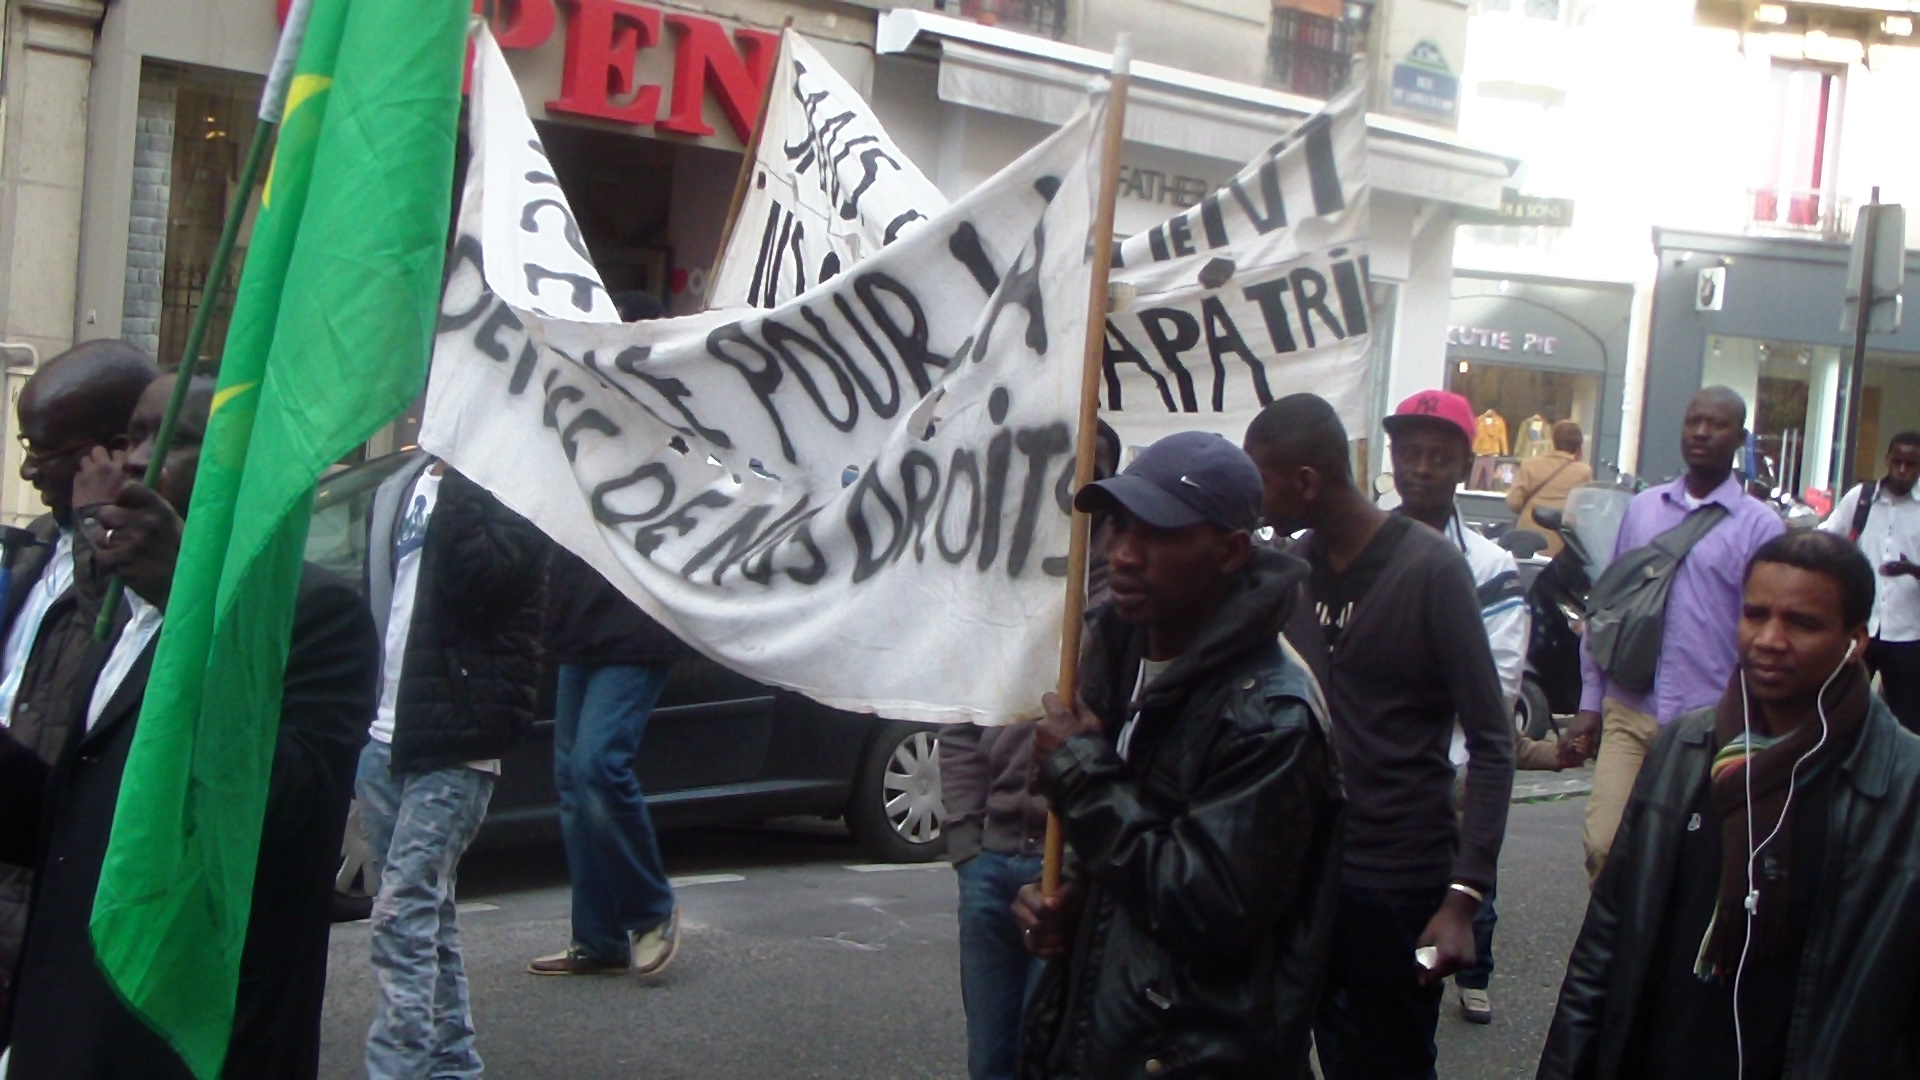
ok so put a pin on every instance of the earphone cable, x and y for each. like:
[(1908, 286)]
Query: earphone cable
[(1751, 903)]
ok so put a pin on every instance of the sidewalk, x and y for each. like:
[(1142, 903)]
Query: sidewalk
[(1531, 787)]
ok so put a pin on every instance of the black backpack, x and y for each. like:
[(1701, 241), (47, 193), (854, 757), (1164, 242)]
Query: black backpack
[(1869, 491), (1629, 602)]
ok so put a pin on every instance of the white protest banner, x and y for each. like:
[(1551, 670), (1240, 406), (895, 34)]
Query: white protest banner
[(528, 268), (1258, 291), (698, 462), (828, 188)]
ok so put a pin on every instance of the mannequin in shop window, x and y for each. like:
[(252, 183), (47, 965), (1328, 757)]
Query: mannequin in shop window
[(1489, 444), (1536, 437)]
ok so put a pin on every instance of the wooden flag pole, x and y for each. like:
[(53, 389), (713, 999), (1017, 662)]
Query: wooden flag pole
[(1100, 241), (746, 165)]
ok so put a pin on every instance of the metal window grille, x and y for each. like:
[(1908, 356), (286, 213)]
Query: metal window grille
[(179, 299), (1047, 18), (1310, 54)]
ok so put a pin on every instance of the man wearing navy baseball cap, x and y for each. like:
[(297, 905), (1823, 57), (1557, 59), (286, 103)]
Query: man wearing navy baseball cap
[(1196, 784)]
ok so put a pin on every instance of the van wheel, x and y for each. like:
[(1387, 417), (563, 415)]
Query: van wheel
[(1532, 716), (896, 813)]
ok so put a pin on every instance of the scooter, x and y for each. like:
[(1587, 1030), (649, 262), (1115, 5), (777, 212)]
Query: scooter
[(1557, 603)]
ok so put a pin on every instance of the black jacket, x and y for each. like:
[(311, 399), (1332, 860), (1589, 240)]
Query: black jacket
[(1856, 1008), (470, 682), (1211, 857), (67, 1022), (593, 624)]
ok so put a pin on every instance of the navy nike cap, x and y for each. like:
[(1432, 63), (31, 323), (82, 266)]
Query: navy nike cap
[(1182, 480)]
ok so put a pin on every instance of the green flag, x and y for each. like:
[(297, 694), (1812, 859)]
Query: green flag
[(330, 339)]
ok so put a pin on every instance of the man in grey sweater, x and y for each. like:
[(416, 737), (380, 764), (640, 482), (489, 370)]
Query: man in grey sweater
[(996, 830), (1393, 632)]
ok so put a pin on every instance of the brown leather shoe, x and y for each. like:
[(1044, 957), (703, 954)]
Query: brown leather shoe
[(575, 962)]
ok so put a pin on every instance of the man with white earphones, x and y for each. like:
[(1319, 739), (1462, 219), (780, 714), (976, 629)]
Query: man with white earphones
[(1759, 915)]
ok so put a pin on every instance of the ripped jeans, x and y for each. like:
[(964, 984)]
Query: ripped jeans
[(418, 826)]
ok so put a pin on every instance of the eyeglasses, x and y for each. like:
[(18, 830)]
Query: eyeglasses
[(35, 453)]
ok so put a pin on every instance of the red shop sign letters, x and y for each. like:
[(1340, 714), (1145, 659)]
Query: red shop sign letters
[(605, 37)]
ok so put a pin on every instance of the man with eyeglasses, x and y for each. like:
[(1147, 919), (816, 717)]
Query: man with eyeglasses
[(76, 401)]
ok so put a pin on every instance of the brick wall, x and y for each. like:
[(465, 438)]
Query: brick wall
[(152, 191)]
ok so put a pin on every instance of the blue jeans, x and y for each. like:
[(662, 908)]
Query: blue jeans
[(996, 972), (619, 884), (418, 825), (1480, 975), (1376, 1021)]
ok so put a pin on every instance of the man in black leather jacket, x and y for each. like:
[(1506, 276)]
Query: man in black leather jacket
[(1812, 910), (1198, 791)]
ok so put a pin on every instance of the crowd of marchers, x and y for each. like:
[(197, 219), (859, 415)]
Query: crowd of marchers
[(1283, 782)]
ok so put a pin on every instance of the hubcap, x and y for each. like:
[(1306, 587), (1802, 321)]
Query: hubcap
[(912, 789)]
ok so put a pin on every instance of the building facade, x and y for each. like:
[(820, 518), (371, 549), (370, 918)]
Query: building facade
[(1651, 129)]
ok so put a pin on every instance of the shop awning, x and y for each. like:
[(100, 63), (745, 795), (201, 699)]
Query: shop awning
[(1016, 74)]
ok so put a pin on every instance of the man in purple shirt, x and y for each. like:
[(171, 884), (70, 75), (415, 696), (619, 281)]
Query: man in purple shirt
[(1697, 652)]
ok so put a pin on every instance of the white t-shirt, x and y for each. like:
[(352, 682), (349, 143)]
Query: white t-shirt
[(1149, 671), (408, 541), (55, 578), (1892, 532)]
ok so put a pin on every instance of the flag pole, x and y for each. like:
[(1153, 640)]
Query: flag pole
[(272, 103), (750, 155), (1100, 243)]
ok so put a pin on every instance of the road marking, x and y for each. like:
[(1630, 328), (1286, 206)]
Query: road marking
[(476, 906), (703, 879), (888, 868)]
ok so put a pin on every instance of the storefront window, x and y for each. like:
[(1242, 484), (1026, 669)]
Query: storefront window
[(213, 123), (1791, 389), (1793, 395), (1517, 408)]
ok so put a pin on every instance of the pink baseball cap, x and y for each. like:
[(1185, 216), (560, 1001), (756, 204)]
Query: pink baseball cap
[(1432, 405)]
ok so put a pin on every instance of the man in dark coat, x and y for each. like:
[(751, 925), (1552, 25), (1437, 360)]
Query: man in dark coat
[(76, 401), (67, 1022), (456, 582), (1196, 784), (1758, 916)]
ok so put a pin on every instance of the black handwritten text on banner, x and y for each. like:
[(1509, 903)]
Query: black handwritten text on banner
[(1257, 291), (828, 188), (860, 495)]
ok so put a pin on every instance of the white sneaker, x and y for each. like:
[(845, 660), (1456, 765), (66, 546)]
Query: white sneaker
[(1476, 1006), (654, 949)]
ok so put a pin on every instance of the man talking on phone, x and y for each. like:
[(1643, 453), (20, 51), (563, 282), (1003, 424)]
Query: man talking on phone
[(1759, 915)]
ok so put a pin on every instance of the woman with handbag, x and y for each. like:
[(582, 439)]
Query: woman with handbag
[(1547, 480)]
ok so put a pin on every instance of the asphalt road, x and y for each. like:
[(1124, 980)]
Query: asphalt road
[(799, 960)]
